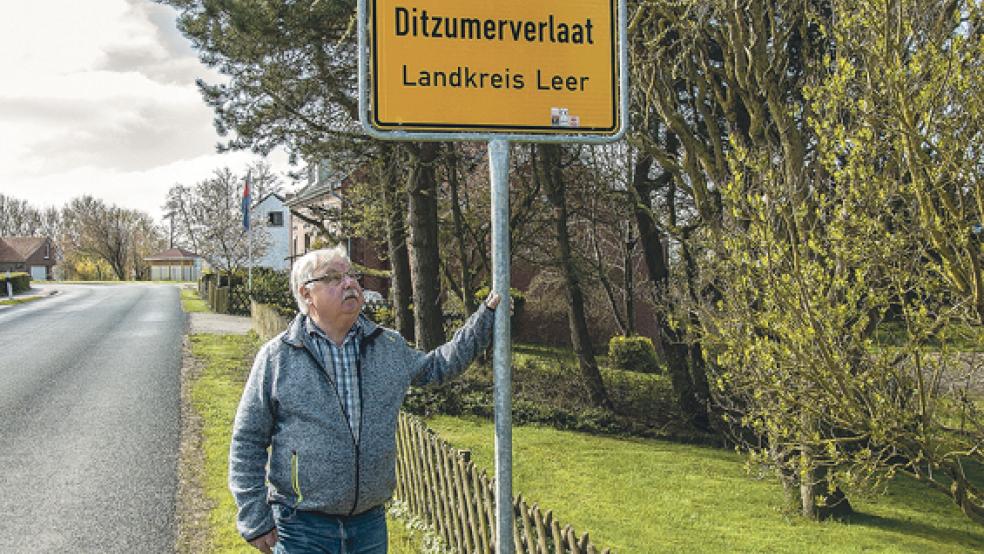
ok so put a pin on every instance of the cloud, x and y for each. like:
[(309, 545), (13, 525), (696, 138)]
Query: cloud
[(101, 100), (137, 189), (104, 119), (142, 137), (153, 46), (54, 36)]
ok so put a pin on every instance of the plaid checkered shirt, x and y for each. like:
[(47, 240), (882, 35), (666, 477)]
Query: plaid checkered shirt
[(342, 363)]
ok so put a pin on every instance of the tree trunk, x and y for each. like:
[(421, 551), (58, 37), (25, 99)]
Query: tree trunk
[(395, 208), (554, 186), (964, 493), (669, 341), (698, 363), (815, 502), (787, 478), (119, 271), (808, 504), (425, 258), (467, 290), (628, 245)]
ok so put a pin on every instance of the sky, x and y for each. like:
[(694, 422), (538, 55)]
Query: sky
[(99, 98)]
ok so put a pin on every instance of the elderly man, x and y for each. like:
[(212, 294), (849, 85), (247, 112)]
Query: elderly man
[(323, 397)]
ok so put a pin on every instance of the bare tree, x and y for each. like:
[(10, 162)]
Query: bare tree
[(209, 219), (553, 180), (120, 237), (20, 218)]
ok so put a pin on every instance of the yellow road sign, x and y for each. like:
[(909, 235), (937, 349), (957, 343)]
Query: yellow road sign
[(527, 66)]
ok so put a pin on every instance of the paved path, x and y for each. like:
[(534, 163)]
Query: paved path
[(89, 420), (201, 322)]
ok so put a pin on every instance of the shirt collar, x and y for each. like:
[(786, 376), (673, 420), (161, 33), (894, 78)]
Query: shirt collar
[(312, 329)]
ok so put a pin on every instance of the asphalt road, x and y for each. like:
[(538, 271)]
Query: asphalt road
[(90, 420)]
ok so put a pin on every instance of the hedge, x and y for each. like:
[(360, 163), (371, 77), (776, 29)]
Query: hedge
[(20, 281), (633, 353)]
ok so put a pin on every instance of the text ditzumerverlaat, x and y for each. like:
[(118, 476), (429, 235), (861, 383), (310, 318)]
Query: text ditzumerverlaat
[(411, 22)]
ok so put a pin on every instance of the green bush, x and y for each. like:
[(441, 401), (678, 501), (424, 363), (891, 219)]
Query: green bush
[(633, 354), (20, 281), (272, 287), (517, 295), (518, 301)]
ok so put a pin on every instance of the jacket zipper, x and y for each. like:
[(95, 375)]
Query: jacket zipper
[(341, 407), (358, 377), (295, 476)]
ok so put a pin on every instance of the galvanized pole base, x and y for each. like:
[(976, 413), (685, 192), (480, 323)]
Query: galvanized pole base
[(502, 349)]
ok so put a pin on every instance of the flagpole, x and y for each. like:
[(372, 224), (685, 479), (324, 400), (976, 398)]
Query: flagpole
[(249, 231)]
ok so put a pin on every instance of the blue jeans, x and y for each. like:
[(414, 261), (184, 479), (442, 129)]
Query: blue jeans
[(301, 532)]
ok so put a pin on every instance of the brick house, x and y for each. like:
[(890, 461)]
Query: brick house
[(33, 255), (312, 208)]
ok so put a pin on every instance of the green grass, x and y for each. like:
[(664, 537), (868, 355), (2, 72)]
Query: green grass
[(523, 351), (550, 374), (15, 301), (190, 301), (647, 496), (401, 539), (215, 395)]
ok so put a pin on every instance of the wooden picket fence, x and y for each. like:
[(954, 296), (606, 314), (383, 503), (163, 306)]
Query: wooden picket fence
[(442, 486)]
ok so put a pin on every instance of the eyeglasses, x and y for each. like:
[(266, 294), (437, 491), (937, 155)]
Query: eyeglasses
[(333, 279)]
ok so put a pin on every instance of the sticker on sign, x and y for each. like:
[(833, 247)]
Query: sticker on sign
[(504, 66)]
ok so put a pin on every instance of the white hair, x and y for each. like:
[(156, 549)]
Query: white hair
[(307, 267)]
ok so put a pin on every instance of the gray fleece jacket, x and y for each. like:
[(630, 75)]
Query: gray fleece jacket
[(291, 406)]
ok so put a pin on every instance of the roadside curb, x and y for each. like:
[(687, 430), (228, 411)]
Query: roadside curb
[(192, 505), (26, 298)]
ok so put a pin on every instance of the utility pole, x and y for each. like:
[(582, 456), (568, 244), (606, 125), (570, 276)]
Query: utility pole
[(170, 242)]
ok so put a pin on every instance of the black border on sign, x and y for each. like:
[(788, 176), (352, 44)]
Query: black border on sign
[(543, 129)]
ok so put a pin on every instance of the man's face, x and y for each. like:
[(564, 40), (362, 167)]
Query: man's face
[(337, 293)]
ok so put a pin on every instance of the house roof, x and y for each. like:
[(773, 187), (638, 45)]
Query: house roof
[(172, 254), (8, 254), (19, 249), (314, 191), (268, 195), (317, 191)]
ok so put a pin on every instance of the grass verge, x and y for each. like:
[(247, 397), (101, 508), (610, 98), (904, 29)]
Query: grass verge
[(190, 302), (648, 496), (214, 389), (16, 301)]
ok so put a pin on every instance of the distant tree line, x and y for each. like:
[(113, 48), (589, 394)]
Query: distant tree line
[(93, 240)]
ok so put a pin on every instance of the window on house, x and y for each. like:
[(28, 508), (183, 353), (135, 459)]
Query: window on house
[(307, 242), (47, 250), (275, 219)]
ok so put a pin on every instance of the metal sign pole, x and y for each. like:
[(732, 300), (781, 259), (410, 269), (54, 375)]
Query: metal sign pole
[(594, 115), (502, 349)]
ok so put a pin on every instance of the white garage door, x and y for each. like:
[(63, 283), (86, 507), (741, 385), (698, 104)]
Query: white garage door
[(39, 273)]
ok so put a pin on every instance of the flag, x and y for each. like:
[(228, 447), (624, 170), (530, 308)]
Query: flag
[(246, 193)]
